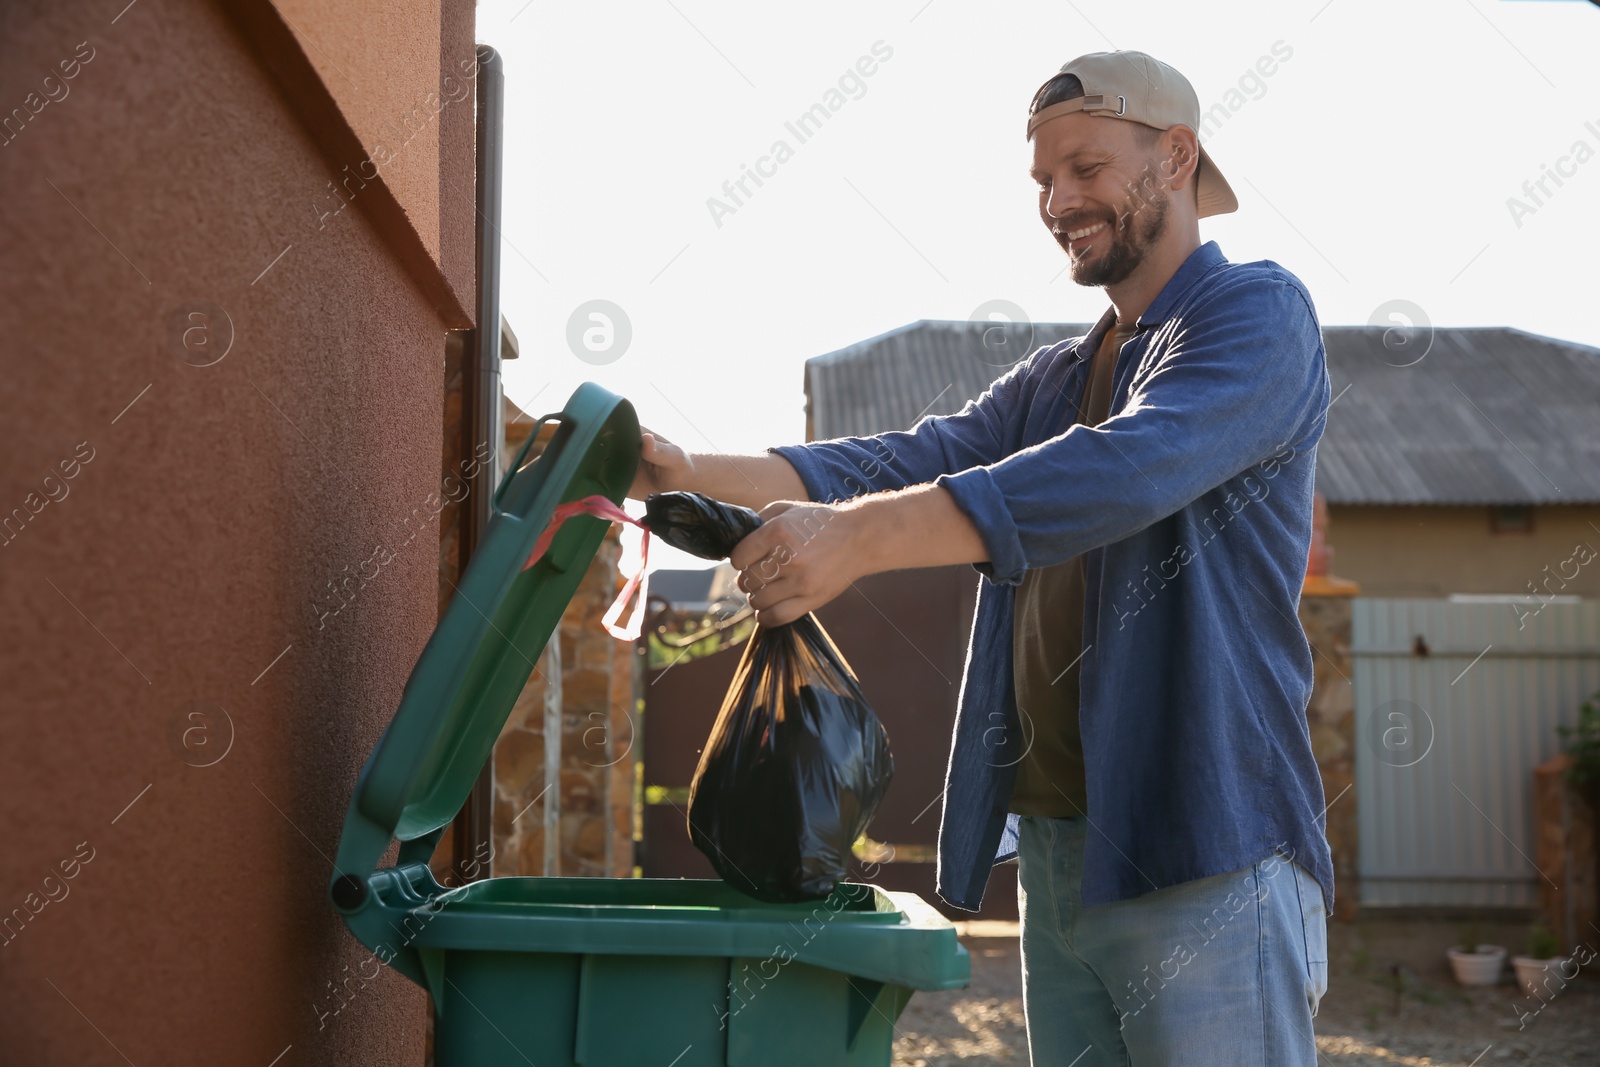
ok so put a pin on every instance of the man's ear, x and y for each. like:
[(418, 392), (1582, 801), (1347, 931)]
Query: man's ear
[(1182, 163)]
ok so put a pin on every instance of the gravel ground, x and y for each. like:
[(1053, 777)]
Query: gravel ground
[(1391, 1002)]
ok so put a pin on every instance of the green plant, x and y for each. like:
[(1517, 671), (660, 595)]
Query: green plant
[(1469, 938), (1581, 741), (1542, 942), (690, 638)]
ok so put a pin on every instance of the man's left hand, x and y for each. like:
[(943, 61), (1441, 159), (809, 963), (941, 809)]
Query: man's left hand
[(802, 556)]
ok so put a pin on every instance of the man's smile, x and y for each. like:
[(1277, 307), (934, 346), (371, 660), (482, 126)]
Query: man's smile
[(1081, 238)]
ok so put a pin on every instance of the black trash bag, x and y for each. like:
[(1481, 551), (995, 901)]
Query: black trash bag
[(797, 763), (698, 524)]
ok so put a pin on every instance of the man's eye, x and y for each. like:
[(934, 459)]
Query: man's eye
[(1044, 183), (1088, 172)]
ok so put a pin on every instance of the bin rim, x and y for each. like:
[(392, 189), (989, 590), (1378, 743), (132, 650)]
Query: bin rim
[(480, 655)]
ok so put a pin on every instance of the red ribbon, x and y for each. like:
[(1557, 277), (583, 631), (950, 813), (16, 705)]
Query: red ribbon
[(600, 507)]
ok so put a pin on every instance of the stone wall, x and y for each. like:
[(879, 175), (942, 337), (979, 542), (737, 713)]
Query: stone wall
[(1331, 718), (1564, 841)]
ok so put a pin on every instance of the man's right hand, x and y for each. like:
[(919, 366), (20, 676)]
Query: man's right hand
[(750, 481), (663, 467)]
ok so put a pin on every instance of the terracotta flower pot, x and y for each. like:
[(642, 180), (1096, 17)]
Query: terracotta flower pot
[(1540, 978), (1477, 968)]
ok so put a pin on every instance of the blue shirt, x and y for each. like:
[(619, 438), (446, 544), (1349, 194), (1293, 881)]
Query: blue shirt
[(1191, 505)]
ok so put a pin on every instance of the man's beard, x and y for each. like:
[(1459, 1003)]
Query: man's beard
[(1132, 235)]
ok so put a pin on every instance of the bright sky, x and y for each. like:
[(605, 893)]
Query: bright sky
[(1375, 161)]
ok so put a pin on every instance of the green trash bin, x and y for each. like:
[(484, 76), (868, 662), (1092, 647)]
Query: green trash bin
[(596, 971)]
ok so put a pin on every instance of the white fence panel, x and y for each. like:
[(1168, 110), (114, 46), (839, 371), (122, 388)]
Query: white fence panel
[(1456, 703)]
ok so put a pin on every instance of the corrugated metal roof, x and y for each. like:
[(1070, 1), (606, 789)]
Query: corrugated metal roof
[(1487, 415)]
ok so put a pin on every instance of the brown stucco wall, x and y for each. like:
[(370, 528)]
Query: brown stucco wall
[(378, 61), (190, 557), (403, 77), (1436, 551)]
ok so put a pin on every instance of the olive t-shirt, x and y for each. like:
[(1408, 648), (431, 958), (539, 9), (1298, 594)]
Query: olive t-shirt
[(1047, 646)]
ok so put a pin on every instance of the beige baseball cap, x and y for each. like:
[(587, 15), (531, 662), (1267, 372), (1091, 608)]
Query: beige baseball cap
[(1139, 88)]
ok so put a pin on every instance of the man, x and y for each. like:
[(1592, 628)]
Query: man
[(1132, 715)]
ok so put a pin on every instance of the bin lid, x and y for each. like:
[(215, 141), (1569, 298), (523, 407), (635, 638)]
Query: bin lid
[(489, 640)]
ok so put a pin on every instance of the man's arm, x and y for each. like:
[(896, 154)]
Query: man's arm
[(848, 467), (1241, 384), (750, 481), (842, 468), (1236, 389), (804, 555)]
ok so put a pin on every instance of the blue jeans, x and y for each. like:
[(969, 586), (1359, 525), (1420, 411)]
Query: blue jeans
[(1226, 970)]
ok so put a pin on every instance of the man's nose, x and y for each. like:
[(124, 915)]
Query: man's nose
[(1062, 201)]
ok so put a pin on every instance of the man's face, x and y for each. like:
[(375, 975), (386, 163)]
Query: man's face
[(1094, 176)]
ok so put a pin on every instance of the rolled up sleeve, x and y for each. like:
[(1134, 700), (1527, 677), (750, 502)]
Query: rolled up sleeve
[(1241, 380), (847, 467)]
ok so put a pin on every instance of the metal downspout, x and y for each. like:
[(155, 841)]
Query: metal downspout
[(473, 835)]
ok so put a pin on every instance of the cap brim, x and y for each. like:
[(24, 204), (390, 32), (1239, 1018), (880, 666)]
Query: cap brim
[(1215, 194)]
